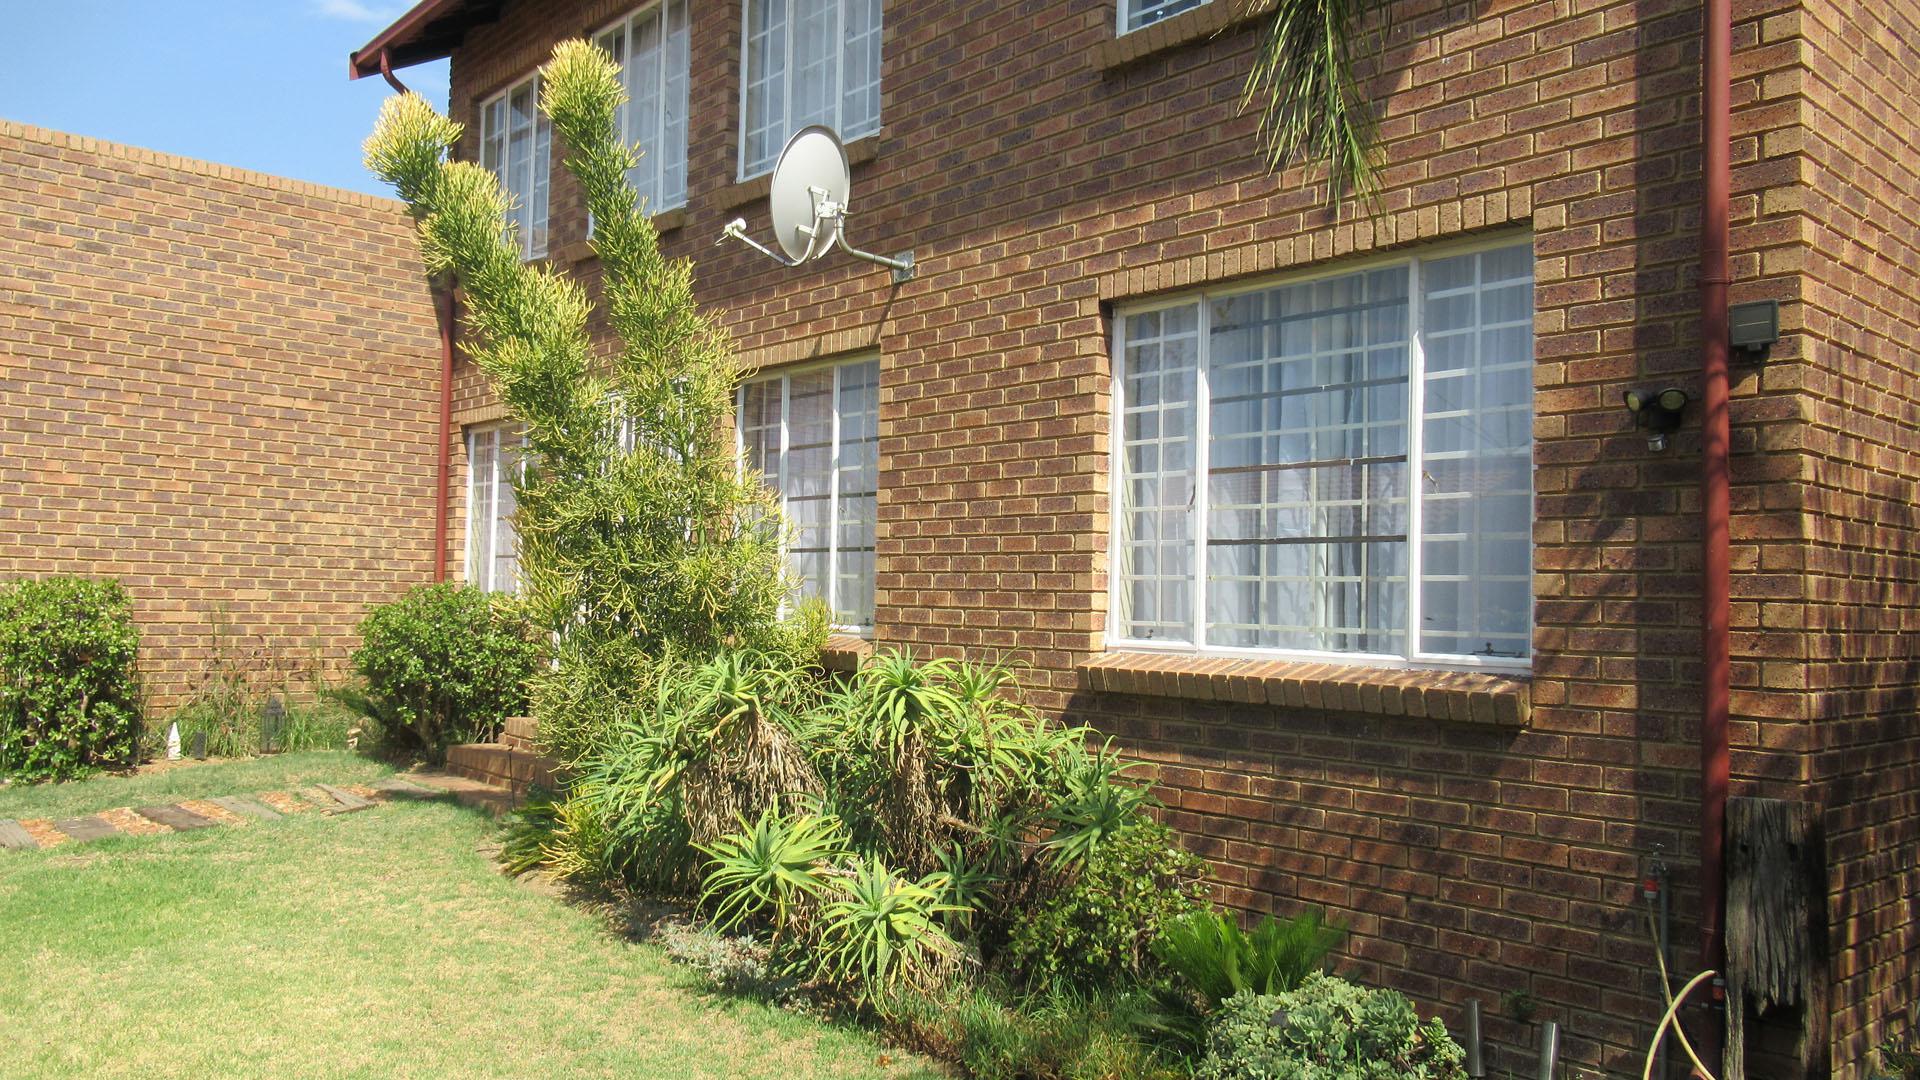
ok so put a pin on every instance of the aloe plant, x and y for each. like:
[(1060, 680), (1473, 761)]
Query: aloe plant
[(881, 928), (772, 865)]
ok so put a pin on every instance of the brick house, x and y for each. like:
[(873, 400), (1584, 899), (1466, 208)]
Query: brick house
[(1002, 456)]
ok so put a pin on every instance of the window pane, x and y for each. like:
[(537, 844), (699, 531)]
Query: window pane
[(1155, 547), (765, 115), (515, 145), (856, 508), (816, 62), (673, 121), (1307, 466), (1476, 582), (860, 93), (481, 450), (807, 478), (1147, 12), (506, 543)]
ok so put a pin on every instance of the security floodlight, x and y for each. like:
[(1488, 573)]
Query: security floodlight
[(1658, 411), (808, 199)]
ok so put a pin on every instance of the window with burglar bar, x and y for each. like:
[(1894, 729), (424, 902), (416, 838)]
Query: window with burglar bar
[(1136, 14), (814, 436), (1338, 467), (516, 145), (493, 549), (807, 62), (651, 48)]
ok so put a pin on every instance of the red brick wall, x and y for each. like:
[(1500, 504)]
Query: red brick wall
[(1042, 177), (217, 386), (1862, 401)]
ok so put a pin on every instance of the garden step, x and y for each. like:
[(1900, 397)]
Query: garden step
[(86, 828), (503, 766), (173, 817), (349, 802), (400, 787), (13, 836), (247, 807)]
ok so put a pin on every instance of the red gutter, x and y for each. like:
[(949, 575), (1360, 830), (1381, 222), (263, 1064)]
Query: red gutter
[(443, 310), (386, 72), (1715, 583)]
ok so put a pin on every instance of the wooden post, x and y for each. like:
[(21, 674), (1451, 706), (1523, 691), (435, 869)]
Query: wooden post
[(1776, 926)]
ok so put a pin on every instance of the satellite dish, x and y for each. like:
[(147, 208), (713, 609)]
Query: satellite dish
[(808, 200), (812, 170)]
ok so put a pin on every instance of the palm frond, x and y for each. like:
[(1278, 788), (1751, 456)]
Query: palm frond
[(1311, 108)]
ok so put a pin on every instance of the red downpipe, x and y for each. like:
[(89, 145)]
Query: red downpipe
[(443, 310), (1715, 500), (386, 72)]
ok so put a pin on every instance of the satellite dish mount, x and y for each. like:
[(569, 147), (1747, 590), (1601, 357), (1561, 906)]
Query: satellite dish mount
[(808, 198)]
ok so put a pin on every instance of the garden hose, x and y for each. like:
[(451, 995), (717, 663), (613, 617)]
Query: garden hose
[(1670, 1020)]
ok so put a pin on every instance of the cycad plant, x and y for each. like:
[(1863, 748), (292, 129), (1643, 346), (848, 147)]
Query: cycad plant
[(635, 548), (1307, 92)]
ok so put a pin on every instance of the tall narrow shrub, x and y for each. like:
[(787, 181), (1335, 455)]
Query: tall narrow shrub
[(640, 539), (69, 685)]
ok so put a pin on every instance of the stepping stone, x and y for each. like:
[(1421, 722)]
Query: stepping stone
[(396, 787), (248, 807), (13, 836), (86, 828), (349, 802), (173, 817)]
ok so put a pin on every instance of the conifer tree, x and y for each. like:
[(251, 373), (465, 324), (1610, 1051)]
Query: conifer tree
[(641, 541)]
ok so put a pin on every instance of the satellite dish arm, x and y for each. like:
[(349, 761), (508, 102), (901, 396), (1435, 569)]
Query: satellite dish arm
[(902, 267), (737, 229)]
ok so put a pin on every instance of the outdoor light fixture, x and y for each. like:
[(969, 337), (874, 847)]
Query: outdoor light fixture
[(1658, 411)]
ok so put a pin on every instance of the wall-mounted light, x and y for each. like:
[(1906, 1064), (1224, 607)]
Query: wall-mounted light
[(1658, 411)]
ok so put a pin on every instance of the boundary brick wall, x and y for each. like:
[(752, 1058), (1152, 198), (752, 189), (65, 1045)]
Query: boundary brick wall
[(1862, 399), (1045, 172), (217, 386)]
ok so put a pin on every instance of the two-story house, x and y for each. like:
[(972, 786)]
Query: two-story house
[(1337, 520)]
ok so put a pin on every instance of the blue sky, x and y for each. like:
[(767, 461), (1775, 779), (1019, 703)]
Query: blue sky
[(259, 84)]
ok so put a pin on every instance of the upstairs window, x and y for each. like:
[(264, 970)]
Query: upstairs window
[(651, 48), (807, 62), (1135, 14), (493, 549), (815, 438), (516, 144), (1337, 467)]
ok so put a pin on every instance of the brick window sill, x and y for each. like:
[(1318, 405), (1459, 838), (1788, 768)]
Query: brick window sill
[(1189, 26), (1498, 700), (860, 151), (845, 652), (582, 250)]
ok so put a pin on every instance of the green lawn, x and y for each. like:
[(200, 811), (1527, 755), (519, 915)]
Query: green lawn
[(376, 944)]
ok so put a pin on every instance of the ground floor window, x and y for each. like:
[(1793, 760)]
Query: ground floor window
[(493, 551), (1332, 465), (815, 436)]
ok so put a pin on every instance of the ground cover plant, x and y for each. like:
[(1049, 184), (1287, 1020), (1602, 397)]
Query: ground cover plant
[(376, 944), (69, 681), (254, 696), (911, 845)]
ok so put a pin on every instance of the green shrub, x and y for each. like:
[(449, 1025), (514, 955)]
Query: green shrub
[(1212, 955), (69, 685), (1097, 930), (1327, 1029), (444, 664), (1057, 1036)]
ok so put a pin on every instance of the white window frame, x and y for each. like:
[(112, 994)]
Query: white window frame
[(1115, 638), (657, 159), (505, 435), (785, 376), (541, 215), (1124, 10), (749, 169)]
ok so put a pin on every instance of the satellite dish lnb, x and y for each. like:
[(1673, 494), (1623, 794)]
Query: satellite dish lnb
[(808, 200)]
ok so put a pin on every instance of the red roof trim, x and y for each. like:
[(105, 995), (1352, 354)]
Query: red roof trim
[(406, 31)]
